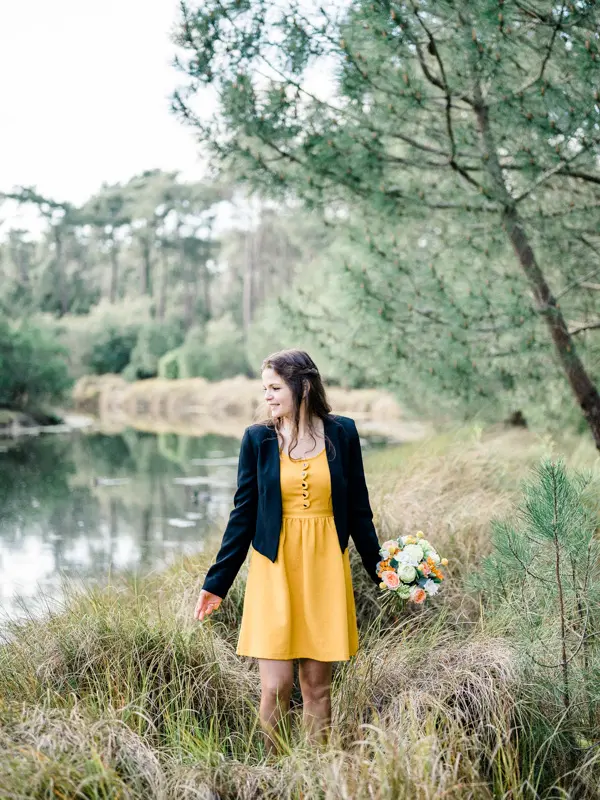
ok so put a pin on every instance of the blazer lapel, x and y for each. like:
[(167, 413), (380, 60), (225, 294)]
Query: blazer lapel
[(334, 459), (269, 468)]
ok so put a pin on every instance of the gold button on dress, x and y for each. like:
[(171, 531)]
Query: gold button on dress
[(302, 604)]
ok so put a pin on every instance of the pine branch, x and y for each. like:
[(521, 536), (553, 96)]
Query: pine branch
[(584, 176), (549, 173), (584, 326), (537, 78), (579, 282)]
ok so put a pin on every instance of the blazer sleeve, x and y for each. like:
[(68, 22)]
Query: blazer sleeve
[(360, 515), (241, 525)]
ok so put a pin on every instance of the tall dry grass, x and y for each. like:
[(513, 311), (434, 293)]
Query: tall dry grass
[(119, 694), (196, 406)]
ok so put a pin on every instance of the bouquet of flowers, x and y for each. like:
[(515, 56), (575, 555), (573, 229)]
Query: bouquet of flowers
[(410, 567)]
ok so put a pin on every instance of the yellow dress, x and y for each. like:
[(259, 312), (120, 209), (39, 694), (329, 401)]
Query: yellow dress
[(302, 604)]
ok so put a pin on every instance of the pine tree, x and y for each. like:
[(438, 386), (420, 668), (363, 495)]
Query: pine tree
[(461, 143), (543, 576)]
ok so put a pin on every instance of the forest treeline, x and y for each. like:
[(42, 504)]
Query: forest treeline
[(156, 276), (421, 183)]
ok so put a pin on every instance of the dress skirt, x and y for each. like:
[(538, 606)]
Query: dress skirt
[(302, 604)]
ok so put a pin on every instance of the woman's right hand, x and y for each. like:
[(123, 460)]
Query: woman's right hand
[(207, 603)]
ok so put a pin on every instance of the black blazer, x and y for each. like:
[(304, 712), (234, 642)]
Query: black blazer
[(257, 514)]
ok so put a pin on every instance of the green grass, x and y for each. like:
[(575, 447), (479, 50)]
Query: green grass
[(120, 694)]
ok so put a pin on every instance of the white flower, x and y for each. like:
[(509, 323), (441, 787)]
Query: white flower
[(431, 587), (434, 556), (407, 573), (385, 554), (412, 554)]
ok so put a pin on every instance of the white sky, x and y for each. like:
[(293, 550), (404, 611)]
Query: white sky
[(84, 95)]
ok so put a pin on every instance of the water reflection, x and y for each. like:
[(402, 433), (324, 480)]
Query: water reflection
[(86, 506)]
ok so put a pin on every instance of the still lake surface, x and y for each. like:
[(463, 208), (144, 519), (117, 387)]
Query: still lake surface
[(82, 507), (85, 506)]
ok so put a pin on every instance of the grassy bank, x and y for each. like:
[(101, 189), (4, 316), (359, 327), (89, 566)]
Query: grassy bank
[(121, 695)]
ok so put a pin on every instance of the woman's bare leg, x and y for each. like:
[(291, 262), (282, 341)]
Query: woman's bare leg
[(315, 683), (276, 682)]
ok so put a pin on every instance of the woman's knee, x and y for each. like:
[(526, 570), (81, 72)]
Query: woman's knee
[(276, 682), (276, 690), (314, 692), (315, 683)]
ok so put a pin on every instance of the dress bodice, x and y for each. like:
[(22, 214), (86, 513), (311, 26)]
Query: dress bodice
[(305, 486)]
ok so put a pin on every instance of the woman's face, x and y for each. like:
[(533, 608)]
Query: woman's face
[(278, 394)]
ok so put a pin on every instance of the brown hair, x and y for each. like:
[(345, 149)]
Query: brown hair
[(297, 369)]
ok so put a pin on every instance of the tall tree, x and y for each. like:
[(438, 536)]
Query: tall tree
[(264, 252), (20, 259), (61, 218), (94, 250), (150, 197), (469, 129), (107, 212)]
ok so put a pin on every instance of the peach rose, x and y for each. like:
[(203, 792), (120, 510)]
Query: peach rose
[(391, 579), (417, 594)]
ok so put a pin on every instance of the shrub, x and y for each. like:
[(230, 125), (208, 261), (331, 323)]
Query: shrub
[(215, 353), (102, 341), (154, 340), (168, 365), (32, 367), (112, 352)]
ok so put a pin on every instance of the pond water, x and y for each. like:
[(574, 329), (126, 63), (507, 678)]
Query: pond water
[(85, 506)]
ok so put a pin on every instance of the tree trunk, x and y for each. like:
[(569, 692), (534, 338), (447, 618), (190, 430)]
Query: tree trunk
[(22, 264), (59, 271), (164, 277), (583, 388), (248, 281), (206, 291), (262, 269), (146, 268), (114, 270), (189, 271)]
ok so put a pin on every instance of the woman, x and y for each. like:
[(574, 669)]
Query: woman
[(301, 493)]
